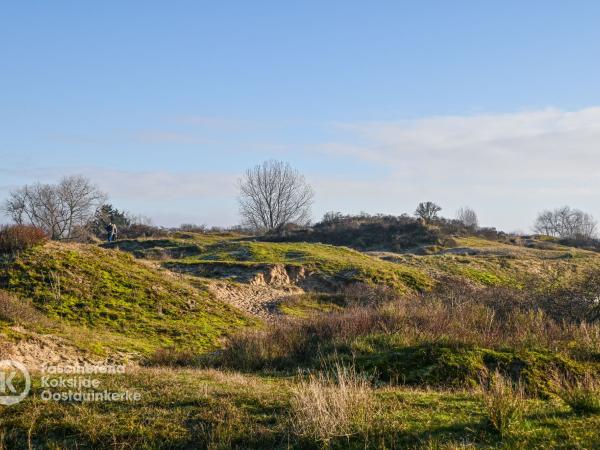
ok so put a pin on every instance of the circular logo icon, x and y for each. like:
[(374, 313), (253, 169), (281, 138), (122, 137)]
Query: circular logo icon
[(15, 382)]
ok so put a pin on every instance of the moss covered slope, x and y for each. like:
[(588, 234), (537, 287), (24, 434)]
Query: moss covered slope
[(110, 291), (332, 263)]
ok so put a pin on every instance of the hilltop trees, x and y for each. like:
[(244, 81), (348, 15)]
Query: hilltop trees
[(106, 214), (468, 217), (427, 211), (62, 210), (273, 194), (566, 223)]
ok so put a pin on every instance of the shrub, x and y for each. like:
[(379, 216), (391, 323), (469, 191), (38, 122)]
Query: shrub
[(582, 395), (503, 401), (16, 310), (15, 238), (172, 357), (332, 405), (439, 338)]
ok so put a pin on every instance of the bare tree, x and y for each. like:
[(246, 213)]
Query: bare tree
[(566, 223), (61, 209), (427, 211), (273, 194), (468, 217)]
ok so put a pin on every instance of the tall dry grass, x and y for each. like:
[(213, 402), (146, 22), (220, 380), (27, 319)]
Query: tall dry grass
[(582, 395), (489, 318), (331, 405), (504, 402)]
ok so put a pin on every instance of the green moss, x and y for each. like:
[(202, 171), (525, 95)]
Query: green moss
[(109, 291), (482, 276), (335, 263), (457, 365)]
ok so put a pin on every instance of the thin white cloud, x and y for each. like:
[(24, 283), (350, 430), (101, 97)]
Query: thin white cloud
[(164, 185), (505, 163), (218, 123), (170, 137)]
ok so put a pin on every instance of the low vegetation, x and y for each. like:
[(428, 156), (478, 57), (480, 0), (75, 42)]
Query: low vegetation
[(504, 401), (581, 394), (208, 409), (326, 406), (141, 307), (467, 342), (17, 238), (442, 339)]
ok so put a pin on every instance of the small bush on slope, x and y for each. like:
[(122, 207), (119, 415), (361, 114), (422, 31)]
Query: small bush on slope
[(109, 290), (16, 238), (582, 395)]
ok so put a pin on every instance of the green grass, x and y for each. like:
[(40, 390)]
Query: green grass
[(109, 291), (491, 263), (211, 409), (456, 365), (336, 264), (178, 245), (304, 305)]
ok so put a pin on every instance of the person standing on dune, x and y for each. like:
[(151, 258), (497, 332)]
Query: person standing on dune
[(111, 230)]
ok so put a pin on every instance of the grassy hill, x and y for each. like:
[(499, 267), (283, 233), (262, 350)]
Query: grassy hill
[(490, 262), (138, 306), (472, 259), (411, 367), (335, 265)]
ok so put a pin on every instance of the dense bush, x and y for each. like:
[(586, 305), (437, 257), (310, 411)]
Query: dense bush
[(380, 232), (14, 238), (137, 230)]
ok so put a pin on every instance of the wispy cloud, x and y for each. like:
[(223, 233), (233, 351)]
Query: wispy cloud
[(164, 185), (506, 164), (213, 122), (170, 137), (541, 145)]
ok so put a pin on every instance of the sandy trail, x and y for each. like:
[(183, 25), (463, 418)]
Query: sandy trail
[(258, 300)]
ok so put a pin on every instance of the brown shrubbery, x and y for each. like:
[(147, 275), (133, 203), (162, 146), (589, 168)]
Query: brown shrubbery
[(172, 357), (490, 319), (15, 310), (15, 238)]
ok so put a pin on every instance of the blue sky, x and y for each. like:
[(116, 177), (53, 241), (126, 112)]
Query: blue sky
[(494, 104)]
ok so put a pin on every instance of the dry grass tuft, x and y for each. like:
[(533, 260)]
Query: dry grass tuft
[(582, 395), (504, 402), (15, 310), (172, 357), (329, 405)]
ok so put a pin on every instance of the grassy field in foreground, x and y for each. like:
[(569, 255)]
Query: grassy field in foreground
[(213, 409)]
